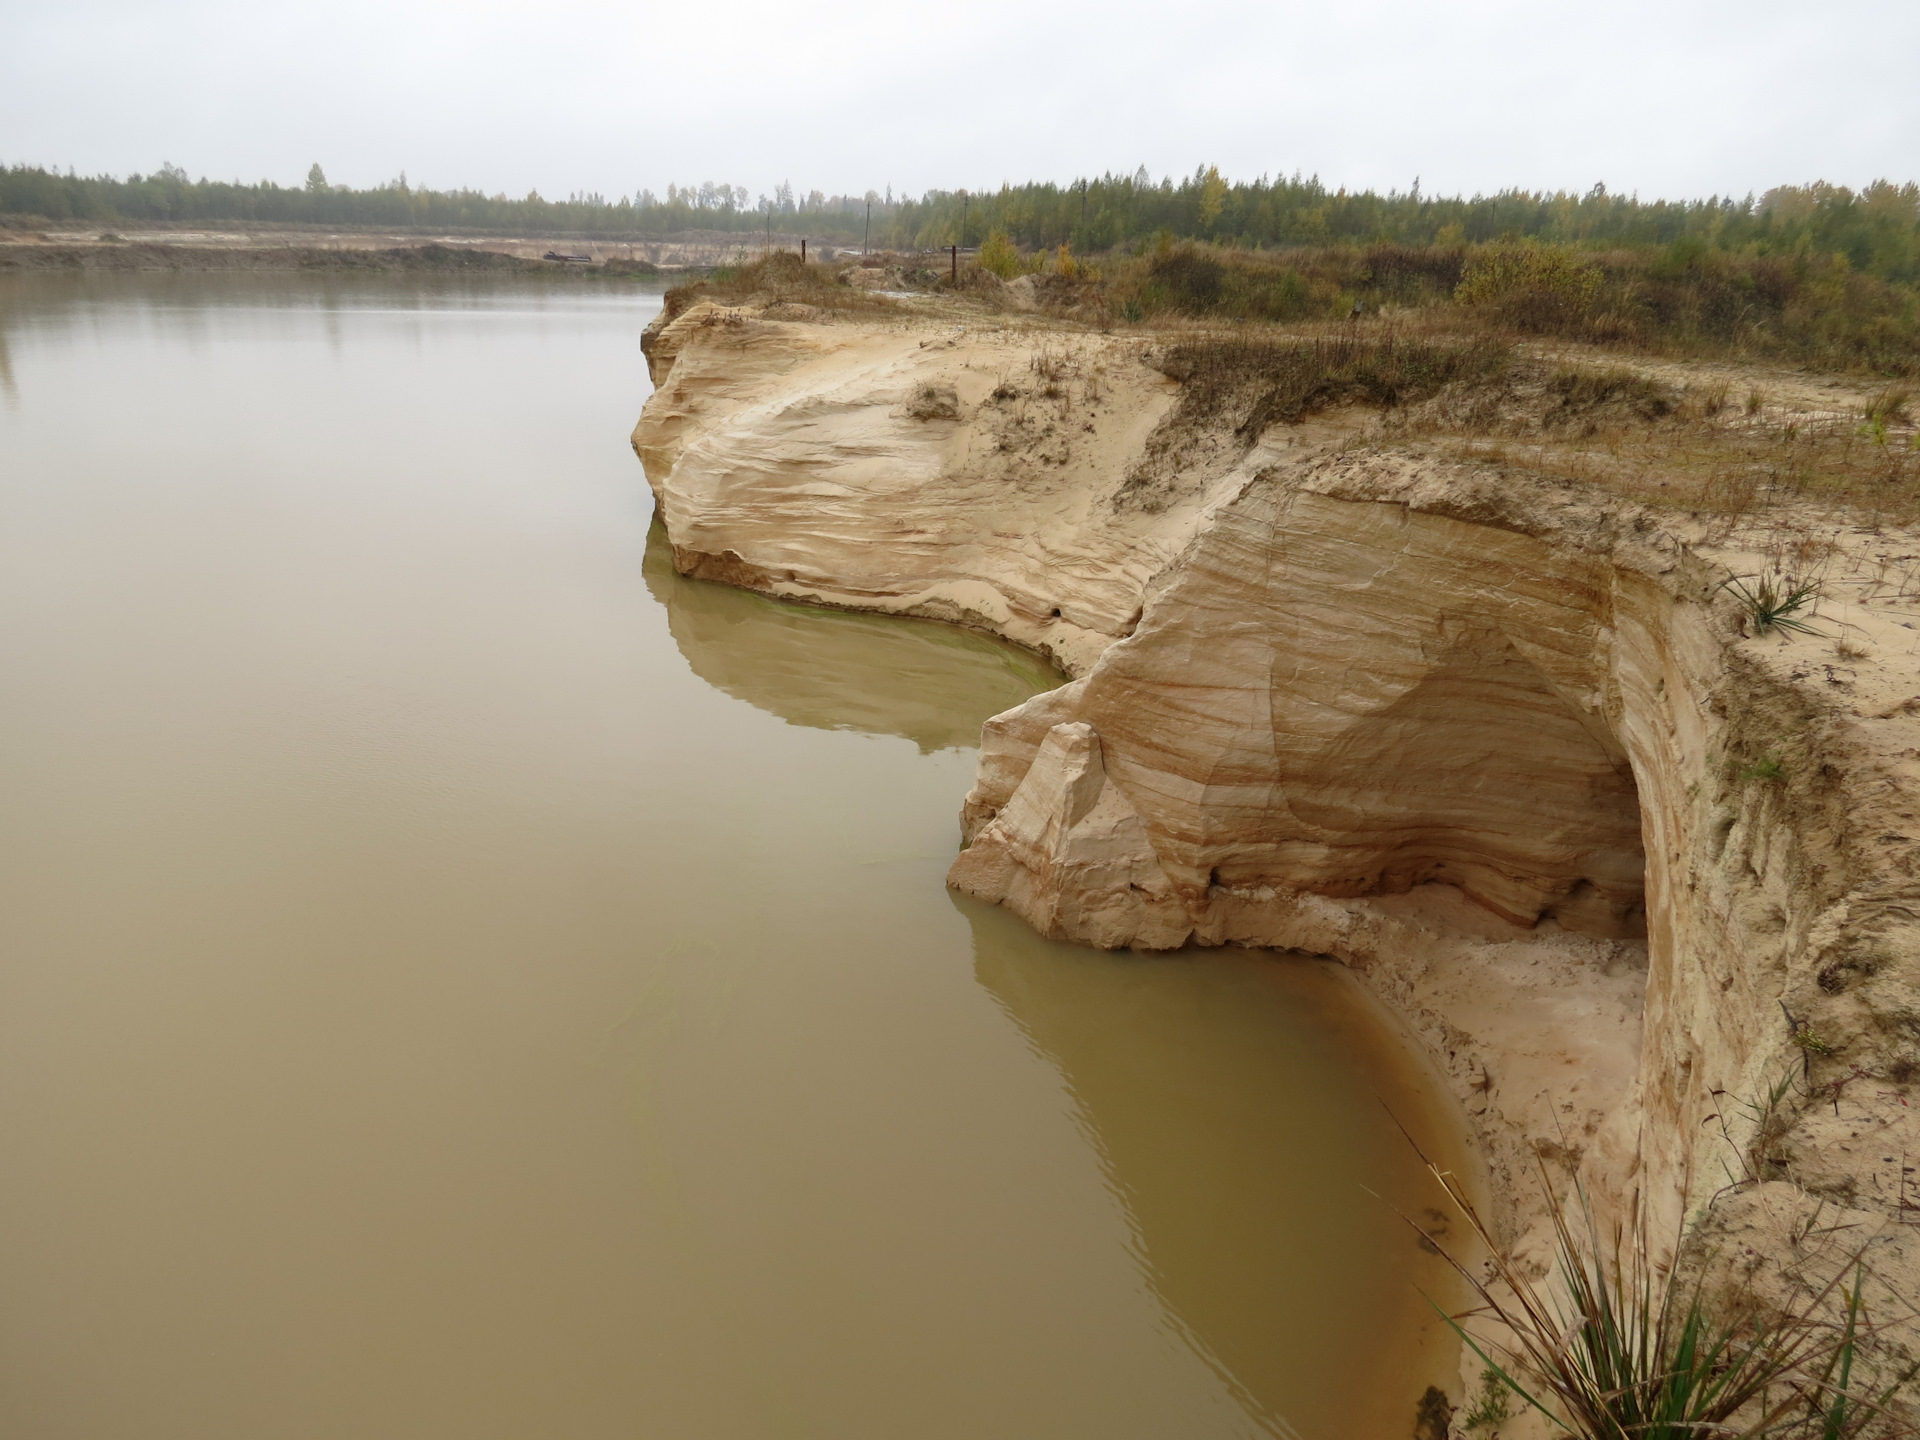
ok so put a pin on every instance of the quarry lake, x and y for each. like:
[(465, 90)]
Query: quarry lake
[(460, 979)]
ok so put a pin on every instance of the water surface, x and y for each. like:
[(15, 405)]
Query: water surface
[(459, 979)]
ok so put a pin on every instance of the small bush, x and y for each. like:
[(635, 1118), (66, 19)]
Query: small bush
[(1541, 289), (1192, 279), (998, 256)]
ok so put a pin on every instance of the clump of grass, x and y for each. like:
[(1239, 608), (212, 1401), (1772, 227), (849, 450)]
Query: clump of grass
[(1616, 1347), (1579, 393), (1883, 411), (1774, 602), (1491, 1408), (1767, 767), (1770, 1121), (1052, 366), (1812, 1042), (1890, 406)]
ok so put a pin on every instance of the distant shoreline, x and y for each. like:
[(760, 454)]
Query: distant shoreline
[(282, 247), (430, 258)]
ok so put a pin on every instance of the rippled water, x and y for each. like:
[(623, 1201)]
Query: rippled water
[(459, 979)]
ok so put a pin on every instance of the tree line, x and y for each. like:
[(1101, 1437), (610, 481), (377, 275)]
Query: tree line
[(1876, 229)]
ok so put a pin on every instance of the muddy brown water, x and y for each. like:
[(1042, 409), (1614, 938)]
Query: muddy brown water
[(459, 979)]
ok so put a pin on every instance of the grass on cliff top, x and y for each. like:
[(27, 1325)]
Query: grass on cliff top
[(1262, 381), (1701, 445), (780, 282), (1666, 436), (1240, 385), (1456, 365)]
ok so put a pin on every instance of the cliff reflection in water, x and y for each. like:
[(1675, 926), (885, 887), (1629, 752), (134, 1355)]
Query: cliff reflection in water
[(830, 670), (1234, 1098)]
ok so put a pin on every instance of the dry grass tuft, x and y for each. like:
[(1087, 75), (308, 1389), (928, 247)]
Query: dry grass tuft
[(1616, 1346)]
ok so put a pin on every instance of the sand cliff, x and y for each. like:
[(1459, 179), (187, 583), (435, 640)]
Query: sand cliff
[(1499, 744)]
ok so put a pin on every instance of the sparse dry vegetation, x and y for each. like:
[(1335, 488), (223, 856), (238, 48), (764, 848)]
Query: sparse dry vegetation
[(1632, 370), (1258, 382), (779, 282)]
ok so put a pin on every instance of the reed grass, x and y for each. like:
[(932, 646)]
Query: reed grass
[(1613, 1346)]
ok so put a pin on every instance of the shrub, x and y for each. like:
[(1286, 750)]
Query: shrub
[(998, 256), (1542, 289), (1192, 279)]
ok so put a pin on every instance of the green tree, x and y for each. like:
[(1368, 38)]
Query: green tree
[(1213, 197), (998, 255), (317, 180)]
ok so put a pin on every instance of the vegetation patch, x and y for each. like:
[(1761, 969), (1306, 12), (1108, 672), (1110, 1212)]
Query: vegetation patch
[(779, 278), (1262, 382), (1579, 394), (1616, 1345), (1771, 602)]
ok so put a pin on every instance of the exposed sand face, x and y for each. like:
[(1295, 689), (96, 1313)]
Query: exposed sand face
[(1498, 744), (976, 474)]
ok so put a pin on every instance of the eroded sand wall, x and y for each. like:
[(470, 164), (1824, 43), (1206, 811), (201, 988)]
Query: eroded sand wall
[(1496, 743)]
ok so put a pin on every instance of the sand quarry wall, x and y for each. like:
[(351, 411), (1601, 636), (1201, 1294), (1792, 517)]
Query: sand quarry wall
[(1501, 745)]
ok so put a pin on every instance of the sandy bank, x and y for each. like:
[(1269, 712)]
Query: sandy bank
[(1501, 744)]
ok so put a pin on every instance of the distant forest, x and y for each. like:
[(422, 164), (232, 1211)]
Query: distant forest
[(1876, 230)]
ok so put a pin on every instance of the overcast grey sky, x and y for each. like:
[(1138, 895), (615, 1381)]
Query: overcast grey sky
[(1666, 97)]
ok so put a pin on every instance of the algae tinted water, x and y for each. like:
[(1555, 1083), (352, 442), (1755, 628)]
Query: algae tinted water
[(459, 979)]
